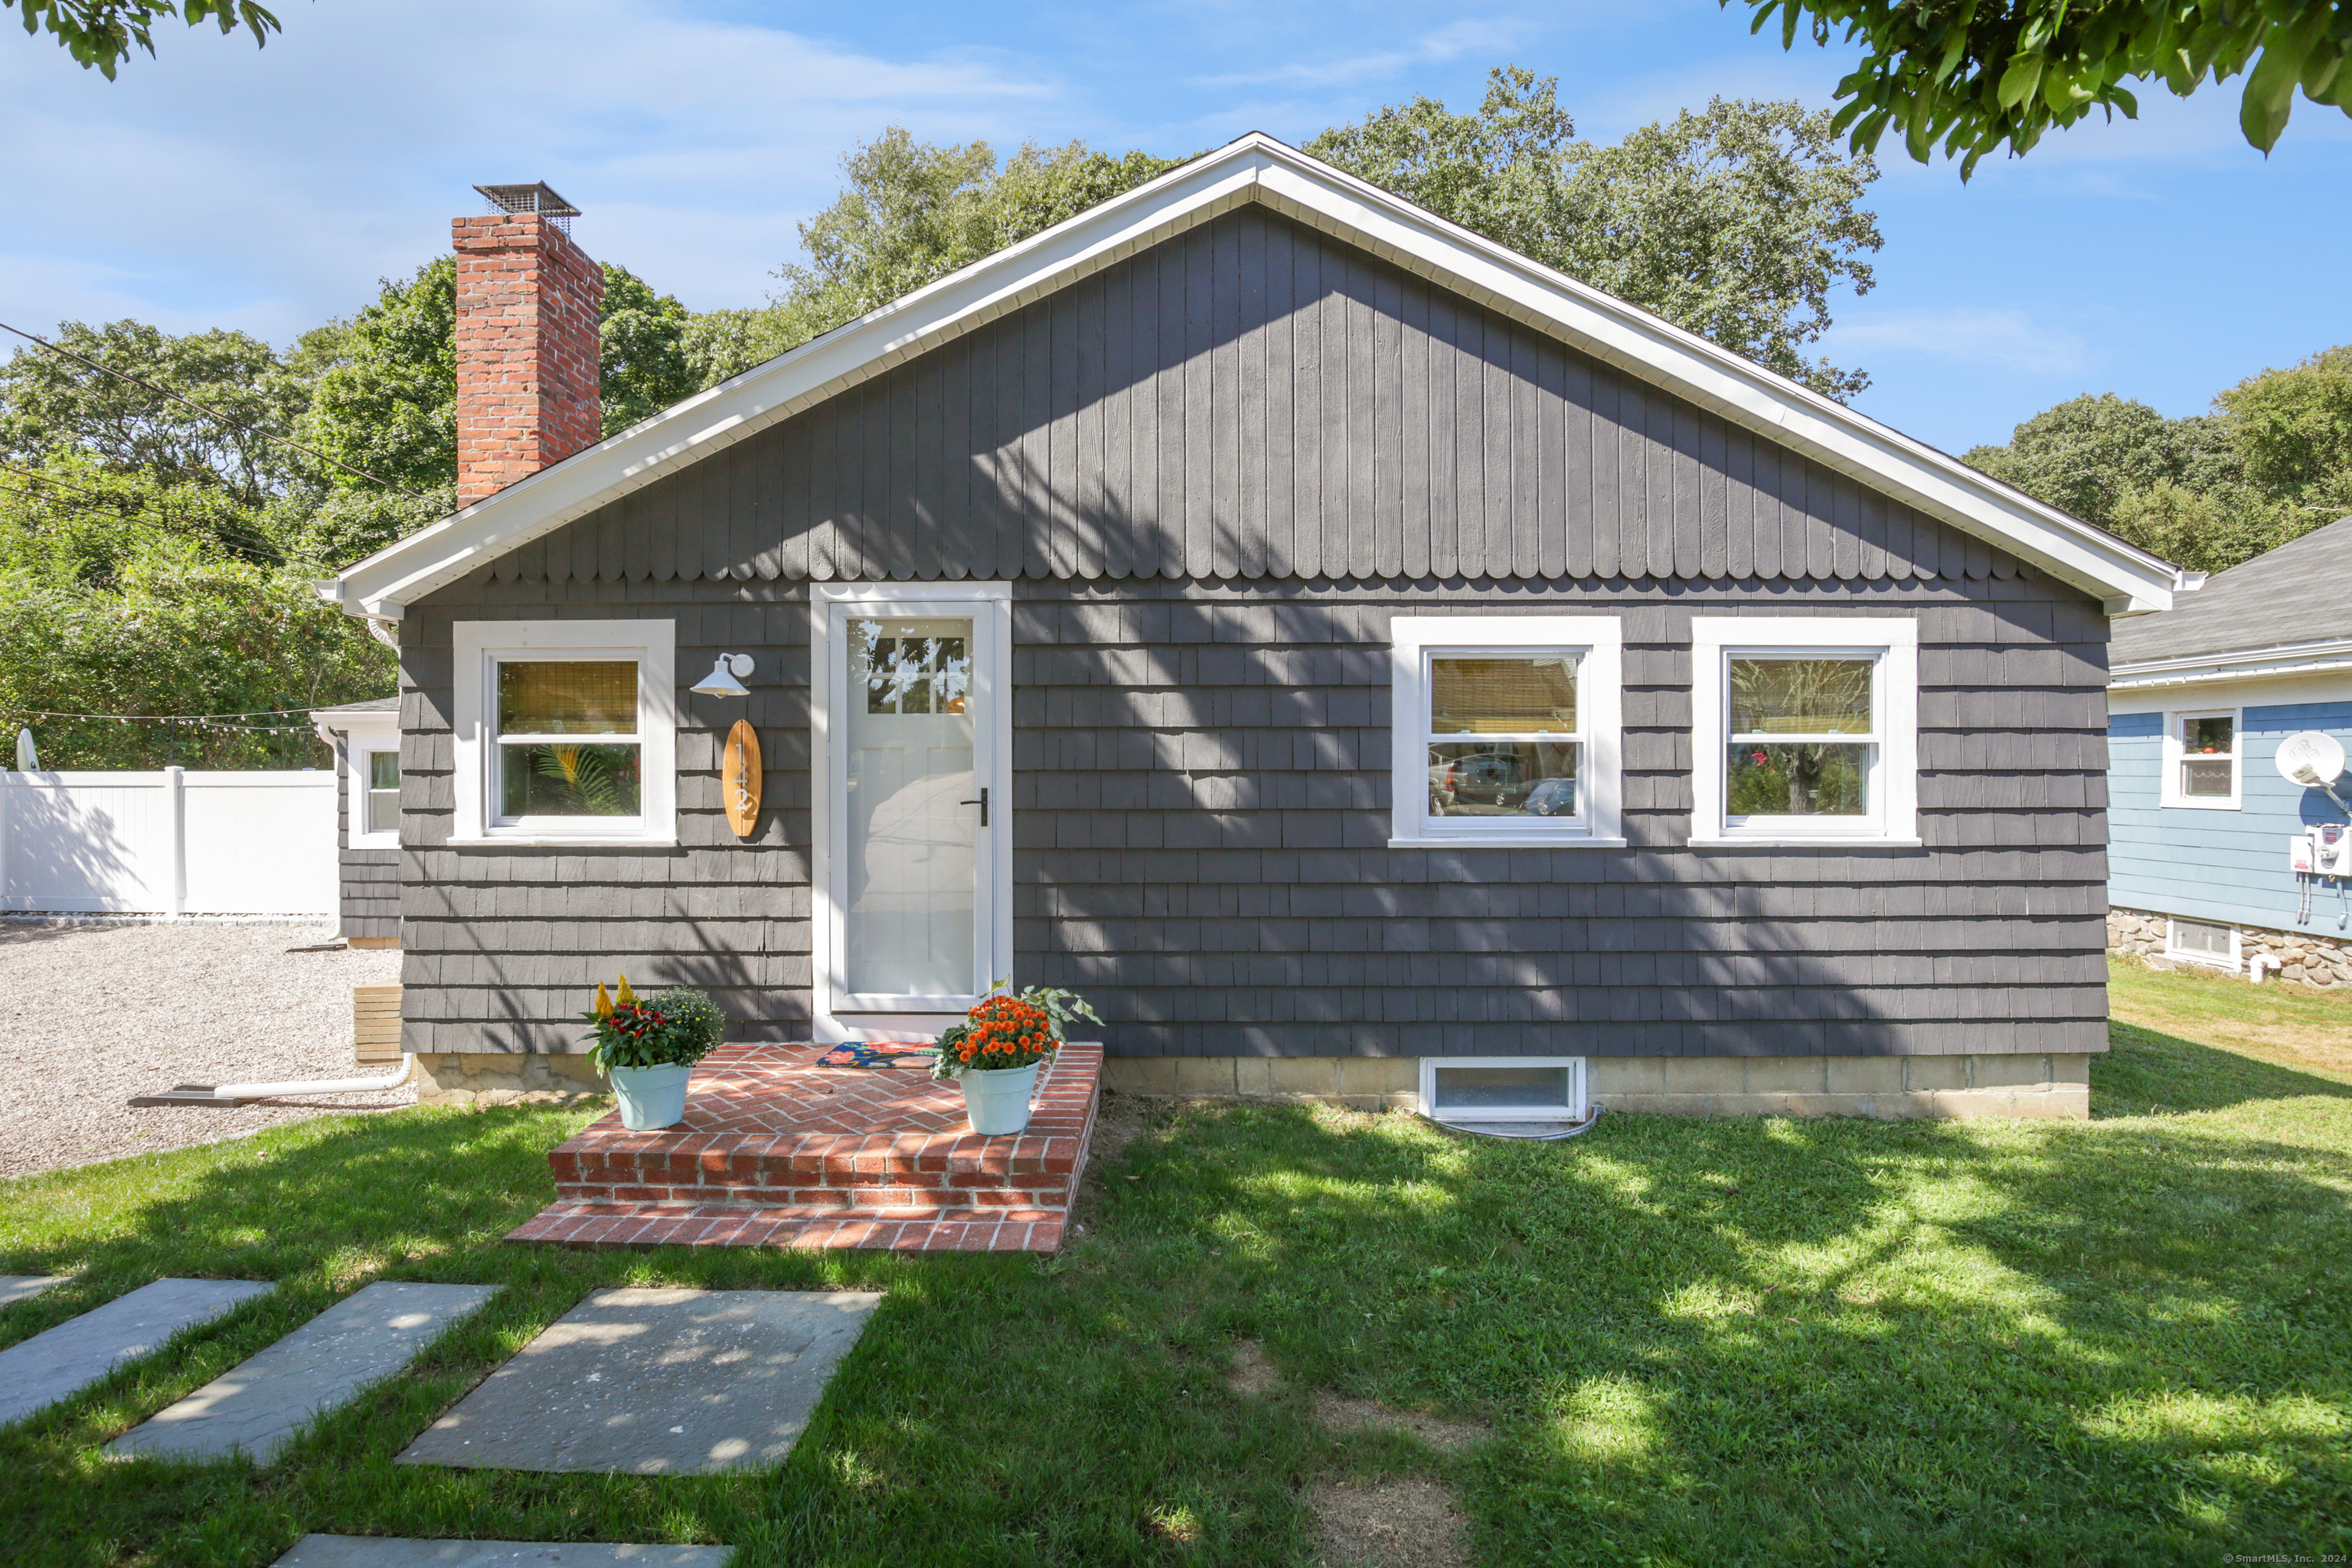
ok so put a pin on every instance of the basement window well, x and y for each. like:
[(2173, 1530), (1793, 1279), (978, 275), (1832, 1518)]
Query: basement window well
[(1503, 1089)]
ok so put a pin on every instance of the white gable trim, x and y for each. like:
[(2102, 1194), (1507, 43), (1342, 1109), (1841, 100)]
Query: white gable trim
[(1258, 168)]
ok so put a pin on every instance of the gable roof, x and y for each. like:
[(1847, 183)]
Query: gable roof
[(1257, 168), (2288, 610)]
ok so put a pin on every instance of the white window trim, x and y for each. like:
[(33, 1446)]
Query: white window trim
[(1894, 784), (653, 644), (838, 1015), (359, 740), (2176, 753), (1580, 1093), (2178, 954), (1599, 704)]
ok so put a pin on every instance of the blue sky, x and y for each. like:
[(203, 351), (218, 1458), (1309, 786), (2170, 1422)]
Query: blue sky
[(219, 185)]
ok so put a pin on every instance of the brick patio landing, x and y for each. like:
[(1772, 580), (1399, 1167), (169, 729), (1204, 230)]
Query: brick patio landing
[(777, 1152)]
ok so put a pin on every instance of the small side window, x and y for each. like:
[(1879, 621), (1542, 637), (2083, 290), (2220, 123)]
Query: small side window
[(2201, 942), (382, 774), (1503, 1089), (2202, 760)]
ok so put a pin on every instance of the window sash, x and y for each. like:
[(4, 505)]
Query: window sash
[(504, 743), (1581, 822), (1871, 817)]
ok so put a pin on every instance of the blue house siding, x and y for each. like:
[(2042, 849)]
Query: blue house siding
[(2229, 866)]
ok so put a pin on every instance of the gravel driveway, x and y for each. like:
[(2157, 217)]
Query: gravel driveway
[(105, 1010)]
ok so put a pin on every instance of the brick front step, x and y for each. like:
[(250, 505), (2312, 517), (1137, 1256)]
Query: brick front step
[(826, 1157), (642, 1225)]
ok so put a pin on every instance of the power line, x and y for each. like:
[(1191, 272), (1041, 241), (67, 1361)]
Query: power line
[(172, 718), (208, 412)]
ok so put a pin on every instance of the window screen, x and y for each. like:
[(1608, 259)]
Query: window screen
[(1801, 737), (1545, 1088), (544, 770), (1521, 709), (2209, 751)]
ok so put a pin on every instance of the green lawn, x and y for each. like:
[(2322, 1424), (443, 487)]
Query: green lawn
[(2125, 1341)]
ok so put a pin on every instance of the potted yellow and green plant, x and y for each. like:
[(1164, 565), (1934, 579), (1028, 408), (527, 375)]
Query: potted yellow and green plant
[(996, 1053), (648, 1049)]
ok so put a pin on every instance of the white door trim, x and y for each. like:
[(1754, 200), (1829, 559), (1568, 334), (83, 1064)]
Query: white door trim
[(990, 607)]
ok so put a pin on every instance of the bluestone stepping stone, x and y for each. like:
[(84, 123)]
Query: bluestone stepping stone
[(655, 1382), (385, 1552), (48, 1366), (256, 1406), (14, 1288)]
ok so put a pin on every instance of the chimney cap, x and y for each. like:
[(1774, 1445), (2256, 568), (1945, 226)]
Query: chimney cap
[(536, 197)]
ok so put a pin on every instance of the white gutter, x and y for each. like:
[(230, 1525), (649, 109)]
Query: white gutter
[(2196, 670)]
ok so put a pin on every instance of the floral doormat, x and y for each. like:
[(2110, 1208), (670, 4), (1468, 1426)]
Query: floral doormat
[(880, 1053)]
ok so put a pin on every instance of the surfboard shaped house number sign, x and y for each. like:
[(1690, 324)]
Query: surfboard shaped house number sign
[(739, 778)]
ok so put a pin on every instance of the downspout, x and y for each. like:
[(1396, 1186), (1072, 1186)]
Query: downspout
[(232, 1094), (2261, 960)]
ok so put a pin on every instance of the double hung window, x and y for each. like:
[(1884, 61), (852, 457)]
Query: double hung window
[(1805, 729), (1506, 730), (2200, 761), (566, 731), (381, 773)]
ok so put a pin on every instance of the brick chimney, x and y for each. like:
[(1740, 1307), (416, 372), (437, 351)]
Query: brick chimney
[(529, 302)]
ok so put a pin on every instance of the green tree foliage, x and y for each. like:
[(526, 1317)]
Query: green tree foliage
[(102, 33), (2272, 460), (1979, 77), (120, 593), (50, 402), (1735, 222), (386, 383)]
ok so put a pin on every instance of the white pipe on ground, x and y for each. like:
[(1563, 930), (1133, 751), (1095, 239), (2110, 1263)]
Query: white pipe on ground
[(394, 1079), (2256, 964)]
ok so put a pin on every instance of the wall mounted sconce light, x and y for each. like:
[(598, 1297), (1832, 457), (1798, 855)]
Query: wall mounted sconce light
[(721, 682)]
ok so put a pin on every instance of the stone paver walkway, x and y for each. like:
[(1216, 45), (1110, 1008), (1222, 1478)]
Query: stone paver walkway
[(14, 1288), (48, 1366), (258, 1406), (655, 1382), (385, 1552)]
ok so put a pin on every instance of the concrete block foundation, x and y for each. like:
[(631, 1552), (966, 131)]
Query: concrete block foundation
[(1885, 1087)]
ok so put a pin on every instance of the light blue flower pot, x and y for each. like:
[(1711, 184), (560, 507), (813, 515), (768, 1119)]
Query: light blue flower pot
[(998, 1101), (651, 1098)]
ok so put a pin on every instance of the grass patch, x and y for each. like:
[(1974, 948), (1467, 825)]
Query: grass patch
[(1695, 1343)]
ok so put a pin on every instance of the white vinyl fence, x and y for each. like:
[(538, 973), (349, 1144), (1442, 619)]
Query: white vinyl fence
[(169, 843)]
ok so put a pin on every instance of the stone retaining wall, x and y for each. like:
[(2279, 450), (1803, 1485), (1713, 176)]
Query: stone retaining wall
[(2308, 960)]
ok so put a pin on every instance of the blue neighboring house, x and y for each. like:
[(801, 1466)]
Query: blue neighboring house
[(2201, 825)]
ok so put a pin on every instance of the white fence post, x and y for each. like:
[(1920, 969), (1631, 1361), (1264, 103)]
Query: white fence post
[(175, 816)]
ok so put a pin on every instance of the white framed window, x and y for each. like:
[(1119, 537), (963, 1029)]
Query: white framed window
[(372, 789), (566, 732), (2201, 942), (1506, 730), (1804, 731), (1503, 1089), (2200, 758)]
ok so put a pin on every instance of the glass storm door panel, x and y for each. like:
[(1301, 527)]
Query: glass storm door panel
[(912, 862)]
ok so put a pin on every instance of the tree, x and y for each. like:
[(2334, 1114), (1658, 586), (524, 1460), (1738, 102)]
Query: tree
[(385, 393), (49, 402), (1982, 76), (1735, 222), (2272, 461), (102, 33), (911, 213)]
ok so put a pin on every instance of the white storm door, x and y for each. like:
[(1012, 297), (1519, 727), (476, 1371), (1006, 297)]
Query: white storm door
[(914, 740)]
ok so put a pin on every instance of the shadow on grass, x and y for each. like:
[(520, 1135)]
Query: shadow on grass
[(2150, 1074), (1765, 1342)]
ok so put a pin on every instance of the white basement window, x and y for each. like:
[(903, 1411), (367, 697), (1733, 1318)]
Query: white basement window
[(2201, 942), (1504, 731), (1503, 1089), (1804, 731), (566, 732), (2200, 760)]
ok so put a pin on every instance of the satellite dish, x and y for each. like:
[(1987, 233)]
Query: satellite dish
[(2310, 758)]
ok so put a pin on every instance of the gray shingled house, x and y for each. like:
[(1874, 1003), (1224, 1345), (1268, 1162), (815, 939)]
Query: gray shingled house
[(1363, 661)]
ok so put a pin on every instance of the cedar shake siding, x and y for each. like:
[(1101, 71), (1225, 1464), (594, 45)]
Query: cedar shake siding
[(1216, 471), (367, 880)]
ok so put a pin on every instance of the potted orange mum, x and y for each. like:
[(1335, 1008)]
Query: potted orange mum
[(995, 1052)]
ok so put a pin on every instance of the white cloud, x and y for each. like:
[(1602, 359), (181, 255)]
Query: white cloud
[(2004, 337), (268, 189)]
